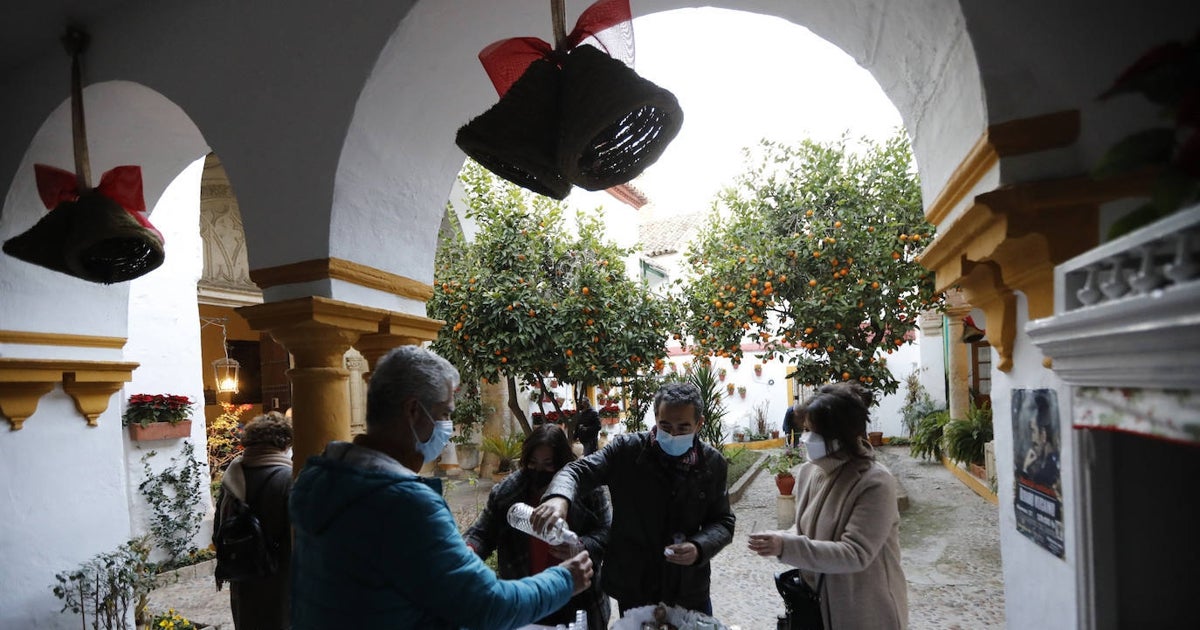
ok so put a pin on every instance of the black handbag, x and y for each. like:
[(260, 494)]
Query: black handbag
[(802, 603)]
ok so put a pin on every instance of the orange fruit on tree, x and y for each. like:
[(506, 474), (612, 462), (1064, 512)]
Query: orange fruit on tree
[(585, 290), (812, 283), (874, 285)]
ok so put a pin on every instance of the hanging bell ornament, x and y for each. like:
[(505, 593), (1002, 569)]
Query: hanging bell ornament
[(615, 123)]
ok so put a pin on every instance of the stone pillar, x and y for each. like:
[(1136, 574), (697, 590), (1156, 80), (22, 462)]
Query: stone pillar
[(317, 332), (357, 366), (959, 368), (785, 510)]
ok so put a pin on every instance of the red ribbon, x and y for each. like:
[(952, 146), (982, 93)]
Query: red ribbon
[(122, 184), (506, 60)]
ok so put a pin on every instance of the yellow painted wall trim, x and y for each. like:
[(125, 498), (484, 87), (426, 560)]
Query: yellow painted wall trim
[(345, 270), (1015, 137), (971, 482), (90, 384), (979, 160), (61, 339)]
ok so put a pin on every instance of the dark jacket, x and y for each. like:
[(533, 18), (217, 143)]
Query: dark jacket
[(264, 603), (377, 547), (589, 517), (653, 498), (588, 429)]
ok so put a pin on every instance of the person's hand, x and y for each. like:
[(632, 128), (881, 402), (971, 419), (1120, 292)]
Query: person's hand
[(564, 551), (684, 553), (766, 544), (580, 566), (548, 513)]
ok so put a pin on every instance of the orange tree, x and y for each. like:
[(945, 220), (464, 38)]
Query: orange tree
[(811, 253), (531, 296)]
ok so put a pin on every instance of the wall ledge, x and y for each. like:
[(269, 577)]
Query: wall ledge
[(90, 384)]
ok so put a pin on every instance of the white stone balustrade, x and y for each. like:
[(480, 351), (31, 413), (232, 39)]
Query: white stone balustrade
[(1127, 313)]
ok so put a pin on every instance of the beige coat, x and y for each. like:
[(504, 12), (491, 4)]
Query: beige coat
[(848, 528)]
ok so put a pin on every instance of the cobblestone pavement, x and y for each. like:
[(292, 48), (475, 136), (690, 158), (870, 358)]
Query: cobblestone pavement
[(949, 539)]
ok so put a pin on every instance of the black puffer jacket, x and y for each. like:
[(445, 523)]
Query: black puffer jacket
[(653, 498), (590, 518)]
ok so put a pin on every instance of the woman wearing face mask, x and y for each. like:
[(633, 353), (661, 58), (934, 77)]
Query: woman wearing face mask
[(544, 453), (847, 536)]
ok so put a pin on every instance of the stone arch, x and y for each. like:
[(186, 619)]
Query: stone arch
[(398, 161)]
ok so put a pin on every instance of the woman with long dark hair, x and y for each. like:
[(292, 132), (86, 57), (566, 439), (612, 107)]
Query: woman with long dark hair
[(545, 452), (847, 536)]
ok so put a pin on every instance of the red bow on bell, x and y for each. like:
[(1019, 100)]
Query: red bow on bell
[(122, 184), (506, 60)]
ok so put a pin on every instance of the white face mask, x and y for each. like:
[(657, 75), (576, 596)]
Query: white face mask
[(674, 445), (814, 445)]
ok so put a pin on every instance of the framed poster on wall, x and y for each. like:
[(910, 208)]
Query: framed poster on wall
[(1037, 439)]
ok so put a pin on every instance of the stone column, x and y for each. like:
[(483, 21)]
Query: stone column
[(357, 366), (317, 332), (959, 368)]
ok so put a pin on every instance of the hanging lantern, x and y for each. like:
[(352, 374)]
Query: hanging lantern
[(225, 374)]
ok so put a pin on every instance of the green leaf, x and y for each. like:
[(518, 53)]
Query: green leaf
[(1144, 148)]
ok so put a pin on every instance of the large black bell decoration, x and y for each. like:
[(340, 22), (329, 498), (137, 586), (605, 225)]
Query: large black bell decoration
[(97, 234), (517, 138), (614, 123)]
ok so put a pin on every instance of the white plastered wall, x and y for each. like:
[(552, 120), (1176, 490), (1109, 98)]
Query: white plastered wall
[(164, 337), (1049, 600)]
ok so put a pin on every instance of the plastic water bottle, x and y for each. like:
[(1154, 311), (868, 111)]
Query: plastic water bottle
[(558, 533)]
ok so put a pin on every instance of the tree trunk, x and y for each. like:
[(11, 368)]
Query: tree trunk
[(515, 407)]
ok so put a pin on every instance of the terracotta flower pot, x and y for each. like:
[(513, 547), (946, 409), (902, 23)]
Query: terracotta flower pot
[(160, 431), (875, 437), (785, 482)]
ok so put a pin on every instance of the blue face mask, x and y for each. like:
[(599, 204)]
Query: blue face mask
[(674, 445), (431, 448)]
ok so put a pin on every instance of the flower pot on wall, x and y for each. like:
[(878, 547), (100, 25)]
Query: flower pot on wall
[(785, 482), (160, 431), (875, 437)]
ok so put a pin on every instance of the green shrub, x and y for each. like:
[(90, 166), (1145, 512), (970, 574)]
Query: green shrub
[(507, 448), (966, 437), (705, 379), (927, 436)]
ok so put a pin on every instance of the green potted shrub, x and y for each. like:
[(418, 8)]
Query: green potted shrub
[(966, 438), (927, 435), (507, 450), (781, 465)]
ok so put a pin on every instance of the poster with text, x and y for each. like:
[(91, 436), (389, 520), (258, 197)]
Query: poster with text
[(1037, 439)]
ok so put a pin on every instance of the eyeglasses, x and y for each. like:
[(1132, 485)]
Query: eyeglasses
[(445, 417)]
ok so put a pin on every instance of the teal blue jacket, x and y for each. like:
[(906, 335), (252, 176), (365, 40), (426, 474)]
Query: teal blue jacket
[(376, 547)]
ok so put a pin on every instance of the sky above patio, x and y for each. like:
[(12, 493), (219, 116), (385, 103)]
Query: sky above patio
[(741, 77)]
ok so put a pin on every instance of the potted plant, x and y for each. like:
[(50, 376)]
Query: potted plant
[(721, 373), (741, 391), (966, 438), (610, 413), (739, 434), (157, 416), (758, 369), (507, 450), (736, 363), (781, 466), (729, 387)]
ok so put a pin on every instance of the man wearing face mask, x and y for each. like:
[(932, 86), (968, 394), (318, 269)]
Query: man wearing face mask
[(376, 545), (671, 512)]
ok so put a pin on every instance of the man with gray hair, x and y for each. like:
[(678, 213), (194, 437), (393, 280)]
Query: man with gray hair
[(376, 545), (670, 508)]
